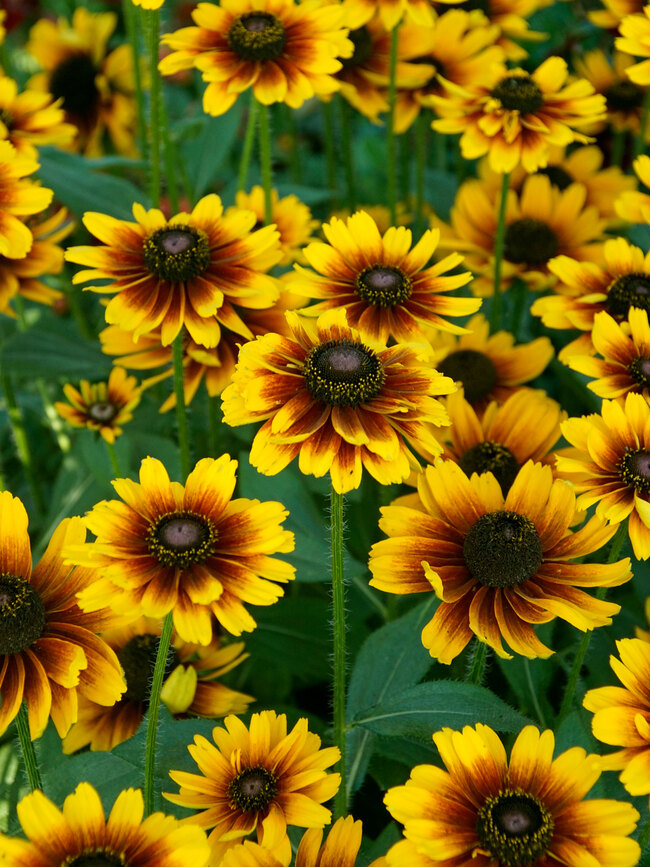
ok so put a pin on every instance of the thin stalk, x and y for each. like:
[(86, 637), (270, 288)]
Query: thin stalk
[(72, 297), (618, 147), (583, 646), (348, 159), (27, 748), (644, 836), (439, 151), (495, 312), (639, 144), (22, 443), (330, 153), (112, 456), (294, 138), (249, 139), (171, 158), (421, 136), (391, 185), (152, 21), (338, 612), (181, 410), (154, 710), (214, 425), (533, 694), (131, 22), (477, 665), (265, 162)]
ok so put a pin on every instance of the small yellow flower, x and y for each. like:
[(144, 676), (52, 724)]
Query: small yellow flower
[(102, 406)]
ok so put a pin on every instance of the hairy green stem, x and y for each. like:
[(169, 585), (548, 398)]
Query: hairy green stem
[(152, 22), (112, 456), (391, 185), (249, 140), (27, 748), (181, 410), (421, 136), (338, 613), (495, 312), (583, 646), (265, 161), (153, 713), (132, 32), (348, 159), (477, 665)]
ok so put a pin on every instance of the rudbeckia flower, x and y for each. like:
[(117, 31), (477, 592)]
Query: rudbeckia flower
[(81, 835), (188, 549), (191, 685), (19, 197), (48, 647), (624, 98), (635, 40), (498, 564), (337, 400), (490, 811), (258, 779), (31, 119), (101, 406), (286, 51), (622, 713), (611, 16), (514, 116), (180, 272), (610, 465), (633, 205), (384, 286)]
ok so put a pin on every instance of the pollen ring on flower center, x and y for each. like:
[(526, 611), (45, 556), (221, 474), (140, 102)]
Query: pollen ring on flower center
[(253, 789), (343, 373), (96, 858), (177, 253), (257, 36), (383, 286), (514, 827), (22, 614), (634, 469), (519, 93), (629, 290), (181, 538)]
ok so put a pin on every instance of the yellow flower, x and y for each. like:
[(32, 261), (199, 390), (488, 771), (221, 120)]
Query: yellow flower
[(633, 205), (392, 12), (81, 834), (286, 51), (514, 116), (185, 272), (30, 119), (624, 98), (611, 16), (19, 197), (498, 564), (102, 406), (489, 811), (635, 39), (188, 549), (260, 778), (337, 400)]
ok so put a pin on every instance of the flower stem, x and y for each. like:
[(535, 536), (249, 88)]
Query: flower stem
[(152, 22), (330, 156), (22, 443), (295, 149), (639, 144), (618, 147), (477, 665), (338, 611), (181, 410), (27, 748), (495, 312), (112, 456), (154, 710), (391, 185), (131, 23), (421, 136), (247, 150), (348, 160), (644, 836), (583, 646), (171, 159), (265, 162)]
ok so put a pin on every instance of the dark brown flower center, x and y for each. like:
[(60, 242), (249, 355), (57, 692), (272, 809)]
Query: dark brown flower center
[(624, 96), (470, 5), (138, 658), (383, 286), (515, 828), (102, 411), (530, 242), (181, 539), (257, 36), (519, 93), (177, 254), (557, 176), (473, 369), (253, 790), (494, 458), (630, 290), (502, 549), (22, 614), (343, 373), (73, 80), (639, 370), (362, 41), (98, 858), (634, 470)]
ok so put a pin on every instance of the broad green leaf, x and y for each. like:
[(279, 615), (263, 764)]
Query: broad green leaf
[(81, 189), (204, 155), (421, 710), (53, 354)]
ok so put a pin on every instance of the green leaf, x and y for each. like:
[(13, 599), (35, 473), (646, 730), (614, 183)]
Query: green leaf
[(82, 189), (52, 354), (421, 710), (203, 156)]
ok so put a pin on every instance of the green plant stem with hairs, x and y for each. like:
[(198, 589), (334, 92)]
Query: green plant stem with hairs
[(495, 311), (112, 456), (391, 157), (153, 713), (265, 162), (339, 655), (249, 140), (132, 31), (27, 748), (181, 409), (152, 25)]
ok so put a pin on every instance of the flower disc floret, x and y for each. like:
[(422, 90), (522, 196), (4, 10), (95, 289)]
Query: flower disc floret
[(502, 549), (22, 614), (519, 93), (257, 36), (383, 286), (630, 290), (343, 373), (530, 241), (253, 789), (634, 469), (181, 538), (474, 370), (515, 827), (177, 254), (490, 457)]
